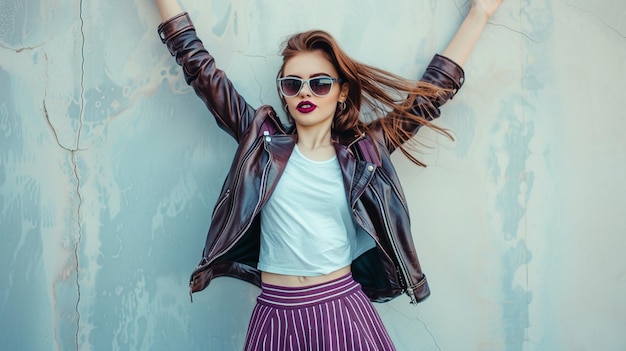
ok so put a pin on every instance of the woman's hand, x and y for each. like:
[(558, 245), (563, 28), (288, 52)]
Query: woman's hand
[(463, 41), (485, 8)]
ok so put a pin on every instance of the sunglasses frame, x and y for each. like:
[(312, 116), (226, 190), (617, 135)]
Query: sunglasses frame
[(307, 82)]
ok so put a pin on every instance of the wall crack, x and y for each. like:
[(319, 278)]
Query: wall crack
[(19, 50), (429, 333), (596, 16), (74, 152), (467, 3)]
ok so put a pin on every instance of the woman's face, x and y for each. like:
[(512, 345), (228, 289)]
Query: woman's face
[(306, 108)]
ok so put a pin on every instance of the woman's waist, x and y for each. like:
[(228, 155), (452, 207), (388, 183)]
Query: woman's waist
[(302, 281)]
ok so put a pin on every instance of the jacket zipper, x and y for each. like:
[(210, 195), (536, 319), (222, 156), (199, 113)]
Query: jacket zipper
[(261, 191), (263, 181), (360, 223), (402, 271), (401, 264), (266, 168), (219, 204), (235, 188)]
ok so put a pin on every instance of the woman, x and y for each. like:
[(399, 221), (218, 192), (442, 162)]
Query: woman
[(313, 213)]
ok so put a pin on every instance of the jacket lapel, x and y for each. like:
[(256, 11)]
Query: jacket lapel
[(356, 173), (278, 148)]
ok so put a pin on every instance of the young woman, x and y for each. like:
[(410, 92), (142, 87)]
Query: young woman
[(312, 211)]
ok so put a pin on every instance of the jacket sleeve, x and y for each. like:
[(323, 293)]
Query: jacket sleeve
[(230, 109), (446, 77), (442, 73)]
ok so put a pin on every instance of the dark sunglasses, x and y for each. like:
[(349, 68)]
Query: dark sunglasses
[(319, 86)]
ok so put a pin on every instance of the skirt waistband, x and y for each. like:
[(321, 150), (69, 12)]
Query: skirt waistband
[(298, 297)]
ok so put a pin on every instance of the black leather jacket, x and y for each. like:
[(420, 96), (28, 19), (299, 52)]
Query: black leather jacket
[(372, 186)]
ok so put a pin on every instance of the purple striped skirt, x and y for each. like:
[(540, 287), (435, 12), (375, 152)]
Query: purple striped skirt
[(331, 316)]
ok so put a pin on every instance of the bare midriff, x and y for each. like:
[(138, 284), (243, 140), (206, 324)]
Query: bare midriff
[(294, 281)]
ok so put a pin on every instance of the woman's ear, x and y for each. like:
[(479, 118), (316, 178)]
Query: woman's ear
[(343, 94)]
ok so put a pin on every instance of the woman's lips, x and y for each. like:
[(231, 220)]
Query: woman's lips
[(306, 107)]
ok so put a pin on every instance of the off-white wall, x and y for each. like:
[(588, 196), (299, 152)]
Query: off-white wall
[(109, 168)]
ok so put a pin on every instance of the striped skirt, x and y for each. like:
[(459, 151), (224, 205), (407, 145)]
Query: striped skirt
[(326, 317)]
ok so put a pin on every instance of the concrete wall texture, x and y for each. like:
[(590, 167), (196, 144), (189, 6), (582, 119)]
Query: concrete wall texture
[(110, 166)]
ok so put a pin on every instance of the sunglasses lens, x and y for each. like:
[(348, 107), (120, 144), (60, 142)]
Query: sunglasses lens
[(321, 86), (290, 87)]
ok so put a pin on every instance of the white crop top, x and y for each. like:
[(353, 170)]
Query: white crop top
[(306, 225)]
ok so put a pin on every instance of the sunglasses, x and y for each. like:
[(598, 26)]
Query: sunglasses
[(319, 86)]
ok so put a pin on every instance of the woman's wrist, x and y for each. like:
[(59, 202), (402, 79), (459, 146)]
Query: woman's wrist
[(477, 16), (466, 36), (168, 8), (480, 14)]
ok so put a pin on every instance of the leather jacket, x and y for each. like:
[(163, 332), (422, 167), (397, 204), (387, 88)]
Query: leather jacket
[(264, 145)]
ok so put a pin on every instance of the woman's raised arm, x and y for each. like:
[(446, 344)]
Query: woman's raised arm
[(211, 84), (463, 42), (168, 8)]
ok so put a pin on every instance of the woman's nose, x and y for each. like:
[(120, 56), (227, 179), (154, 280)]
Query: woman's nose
[(305, 91)]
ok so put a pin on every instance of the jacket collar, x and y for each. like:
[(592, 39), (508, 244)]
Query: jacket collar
[(356, 173)]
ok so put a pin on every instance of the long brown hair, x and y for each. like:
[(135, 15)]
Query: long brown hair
[(373, 94)]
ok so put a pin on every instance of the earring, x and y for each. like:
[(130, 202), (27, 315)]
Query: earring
[(342, 105)]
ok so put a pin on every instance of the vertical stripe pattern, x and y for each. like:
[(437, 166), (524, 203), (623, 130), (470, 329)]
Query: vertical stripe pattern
[(333, 316)]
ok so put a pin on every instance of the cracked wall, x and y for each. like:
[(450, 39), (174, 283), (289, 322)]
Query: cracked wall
[(110, 166)]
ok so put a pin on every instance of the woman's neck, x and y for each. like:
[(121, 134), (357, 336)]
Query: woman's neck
[(314, 136), (315, 143)]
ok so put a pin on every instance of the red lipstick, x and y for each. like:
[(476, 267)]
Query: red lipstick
[(306, 107)]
